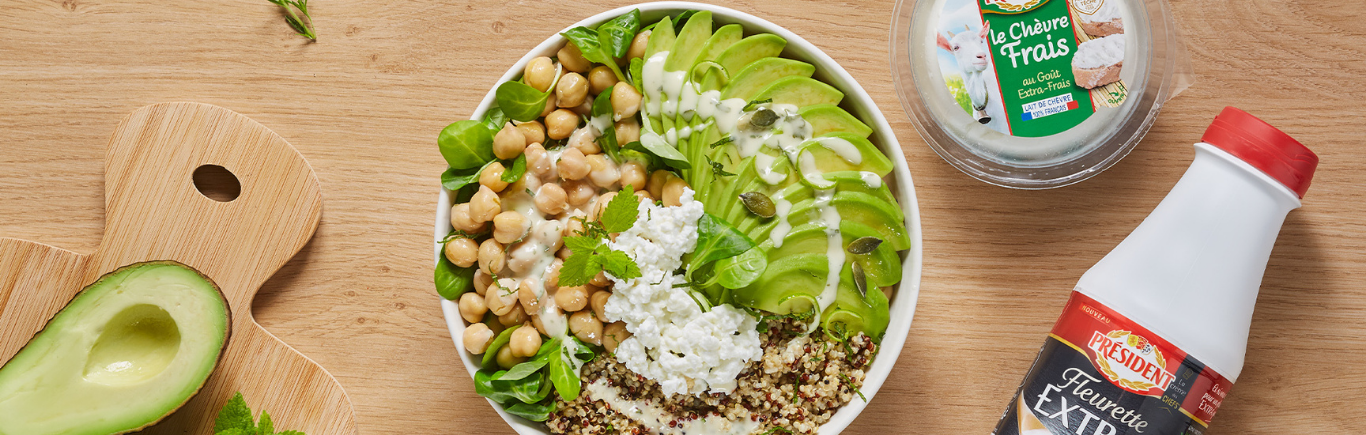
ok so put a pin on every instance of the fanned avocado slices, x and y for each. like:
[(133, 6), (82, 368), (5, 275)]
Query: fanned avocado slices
[(127, 351)]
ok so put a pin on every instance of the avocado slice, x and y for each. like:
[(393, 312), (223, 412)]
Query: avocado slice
[(789, 285), (724, 37), (881, 267), (845, 181), (829, 118), (801, 92), (883, 217), (763, 72), (688, 43), (125, 353), (749, 50)]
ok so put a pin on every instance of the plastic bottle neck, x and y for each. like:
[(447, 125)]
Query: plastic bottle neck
[(1191, 271)]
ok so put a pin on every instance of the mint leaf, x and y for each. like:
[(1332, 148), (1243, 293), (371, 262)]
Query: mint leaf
[(619, 265), (578, 269), (266, 427), (621, 212), (235, 415), (585, 244)]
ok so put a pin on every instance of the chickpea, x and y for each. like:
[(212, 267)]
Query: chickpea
[(625, 102), (584, 326), (673, 192), (472, 307), (572, 90), (501, 297), (572, 165), (600, 280), (540, 73), (601, 204), (517, 316), (644, 196), (506, 359), (633, 174), (492, 177), (560, 123), (613, 335), (482, 281), (549, 105), (461, 220), (536, 322), (583, 110), (604, 172), (550, 199), (533, 131), (509, 142), (552, 278), (573, 59), (491, 258), (462, 251), (522, 258), (509, 226), (477, 338), (527, 296), (537, 161), (657, 180), (571, 299), (628, 130), (599, 303), (601, 78), (563, 253), (583, 140), (525, 342), (638, 45), (574, 226), (485, 205)]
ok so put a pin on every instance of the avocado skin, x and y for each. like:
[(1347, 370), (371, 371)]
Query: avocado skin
[(216, 314)]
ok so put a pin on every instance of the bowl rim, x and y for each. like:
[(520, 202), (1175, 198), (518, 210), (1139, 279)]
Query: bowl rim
[(906, 292)]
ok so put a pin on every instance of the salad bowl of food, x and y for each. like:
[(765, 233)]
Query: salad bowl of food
[(677, 218)]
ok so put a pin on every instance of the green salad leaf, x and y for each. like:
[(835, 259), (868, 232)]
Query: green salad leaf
[(671, 156), (602, 107), (589, 44), (524, 390), (637, 70), (740, 271), (498, 342), (520, 101), (451, 280), (615, 35), (716, 239), (235, 419), (495, 119), (466, 144), (513, 171)]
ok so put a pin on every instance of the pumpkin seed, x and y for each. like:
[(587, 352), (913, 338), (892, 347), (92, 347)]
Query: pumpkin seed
[(759, 204), (864, 245), (860, 280), (763, 118)]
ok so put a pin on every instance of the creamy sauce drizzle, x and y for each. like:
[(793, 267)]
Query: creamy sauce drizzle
[(657, 420)]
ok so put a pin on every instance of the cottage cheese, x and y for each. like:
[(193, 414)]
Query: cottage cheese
[(673, 341)]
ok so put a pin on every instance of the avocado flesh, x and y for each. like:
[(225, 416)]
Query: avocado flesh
[(750, 50), (829, 118), (758, 75), (800, 91), (127, 351), (882, 267), (858, 207)]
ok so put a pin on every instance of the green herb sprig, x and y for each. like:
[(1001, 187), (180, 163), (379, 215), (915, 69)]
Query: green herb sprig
[(296, 14), (235, 419), (589, 251)]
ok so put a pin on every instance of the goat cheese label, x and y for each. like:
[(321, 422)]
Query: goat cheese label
[(1100, 373), (1032, 68)]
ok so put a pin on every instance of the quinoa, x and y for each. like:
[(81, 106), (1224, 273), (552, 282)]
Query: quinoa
[(800, 382)]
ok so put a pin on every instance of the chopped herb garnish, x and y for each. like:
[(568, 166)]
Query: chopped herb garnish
[(723, 141), (296, 14), (752, 104), (718, 169), (851, 385)]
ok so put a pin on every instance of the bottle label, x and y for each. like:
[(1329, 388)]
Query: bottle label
[(1100, 373), (1032, 68)]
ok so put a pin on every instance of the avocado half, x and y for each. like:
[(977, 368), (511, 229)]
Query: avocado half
[(129, 350)]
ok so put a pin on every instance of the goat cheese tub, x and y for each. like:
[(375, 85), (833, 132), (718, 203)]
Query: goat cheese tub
[(1035, 94)]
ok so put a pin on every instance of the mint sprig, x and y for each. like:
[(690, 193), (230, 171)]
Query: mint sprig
[(589, 251), (235, 419)]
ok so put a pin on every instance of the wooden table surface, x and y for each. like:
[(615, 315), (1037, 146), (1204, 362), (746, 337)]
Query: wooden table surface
[(365, 103)]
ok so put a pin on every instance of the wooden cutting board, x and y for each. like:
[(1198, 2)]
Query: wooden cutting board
[(154, 211)]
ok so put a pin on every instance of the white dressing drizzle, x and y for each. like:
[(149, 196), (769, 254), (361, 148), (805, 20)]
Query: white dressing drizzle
[(842, 148), (782, 208), (870, 179)]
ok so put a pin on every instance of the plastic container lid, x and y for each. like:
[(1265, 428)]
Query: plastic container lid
[(1035, 94), (1264, 147)]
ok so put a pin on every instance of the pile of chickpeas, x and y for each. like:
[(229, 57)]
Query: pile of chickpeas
[(571, 182)]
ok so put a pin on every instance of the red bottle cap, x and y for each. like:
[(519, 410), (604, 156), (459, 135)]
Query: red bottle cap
[(1264, 147)]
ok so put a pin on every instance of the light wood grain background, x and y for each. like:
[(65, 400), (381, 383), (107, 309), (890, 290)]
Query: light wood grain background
[(365, 103)]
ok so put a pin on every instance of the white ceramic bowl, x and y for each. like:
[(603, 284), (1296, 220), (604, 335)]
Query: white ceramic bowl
[(856, 101)]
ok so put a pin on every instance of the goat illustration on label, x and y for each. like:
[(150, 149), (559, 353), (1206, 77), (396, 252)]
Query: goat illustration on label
[(1032, 68)]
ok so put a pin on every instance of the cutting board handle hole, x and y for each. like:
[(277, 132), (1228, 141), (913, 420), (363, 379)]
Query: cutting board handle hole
[(216, 183)]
